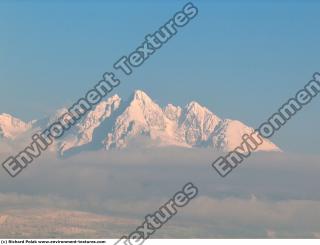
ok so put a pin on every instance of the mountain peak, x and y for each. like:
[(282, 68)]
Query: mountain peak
[(114, 98), (6, 116), (195, 106), (193, 103), (117, 124), (140, 95), (12, 126), (140, 99), (228, 134)]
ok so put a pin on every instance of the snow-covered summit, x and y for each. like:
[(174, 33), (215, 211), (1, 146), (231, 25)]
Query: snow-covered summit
[(115, 123), (11, 127)]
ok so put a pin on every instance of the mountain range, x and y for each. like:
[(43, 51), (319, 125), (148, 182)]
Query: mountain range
[(138, 121)]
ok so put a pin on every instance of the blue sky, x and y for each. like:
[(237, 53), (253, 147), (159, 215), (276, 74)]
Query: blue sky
[(241, 59)]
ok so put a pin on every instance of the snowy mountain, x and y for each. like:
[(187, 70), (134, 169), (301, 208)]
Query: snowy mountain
[(141, 116), (227, 135), (93, 128), (11, 127), (118, 124)]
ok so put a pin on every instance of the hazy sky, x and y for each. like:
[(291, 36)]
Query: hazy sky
[(241, 59)]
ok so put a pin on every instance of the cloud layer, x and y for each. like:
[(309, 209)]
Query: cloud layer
[(270, 195)]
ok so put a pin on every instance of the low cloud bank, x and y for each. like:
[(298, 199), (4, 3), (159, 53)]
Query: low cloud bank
[(270, 195)]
